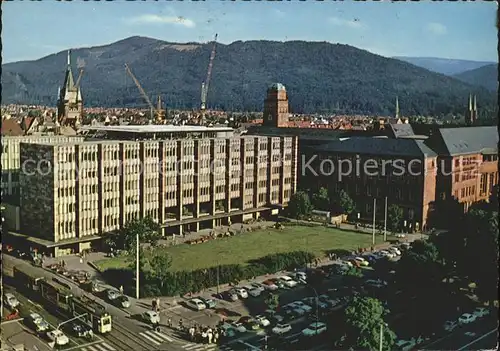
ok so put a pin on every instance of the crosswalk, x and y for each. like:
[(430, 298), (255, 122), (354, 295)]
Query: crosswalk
[(205, 347), (98, 347), (155, 337)]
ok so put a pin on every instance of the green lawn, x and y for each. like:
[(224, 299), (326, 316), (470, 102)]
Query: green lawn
[(245, 247)]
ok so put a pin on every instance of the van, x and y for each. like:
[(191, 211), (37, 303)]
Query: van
[(196, 304)]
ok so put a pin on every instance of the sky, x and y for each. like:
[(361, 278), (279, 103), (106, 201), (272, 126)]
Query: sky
[(458, 30)]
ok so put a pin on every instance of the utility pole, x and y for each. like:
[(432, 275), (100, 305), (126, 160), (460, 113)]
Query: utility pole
[(374, 211), (217, 277), (380, 345), (137, 266), (385, 220)]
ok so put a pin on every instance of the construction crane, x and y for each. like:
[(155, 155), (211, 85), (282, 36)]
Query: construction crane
[(143, 93), (205, 84), (78, 80)]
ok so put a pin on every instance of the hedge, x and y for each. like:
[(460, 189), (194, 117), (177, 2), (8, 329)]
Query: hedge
[(183, 282)]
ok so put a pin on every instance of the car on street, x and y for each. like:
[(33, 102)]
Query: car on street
[(151, 317), (122, 301), (242, 293), (228, 330), (58, 337), (289, 282), (36, 322), (467, 318), (394, 250), (81, 330), (239, 327), (405, 345), (210, 303), (361, 261), (254, 292), (315, 328), (281, 329), (196, 304), (11, 301), (263, 321), (450, 325), (112, 294), (481, 312), (269, 285)]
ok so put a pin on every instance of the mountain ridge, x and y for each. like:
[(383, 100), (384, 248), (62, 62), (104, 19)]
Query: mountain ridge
[(449, 67), (485, 76), (319, 76)]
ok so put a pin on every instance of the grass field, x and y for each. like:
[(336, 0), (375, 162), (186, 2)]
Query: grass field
[(245, 247)]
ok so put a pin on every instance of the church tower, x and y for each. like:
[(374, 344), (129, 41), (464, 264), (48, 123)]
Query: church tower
[(276, 106), (70, 103), (396, 116)]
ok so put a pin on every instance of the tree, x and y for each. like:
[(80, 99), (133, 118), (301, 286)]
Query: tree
[(394, 217), (272, 301), (344, 203), (160, 264), (364, 316), (299, 205), (321, 200), (149, 232)]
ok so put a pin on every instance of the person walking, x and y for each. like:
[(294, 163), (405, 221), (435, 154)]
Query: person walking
[(121, 289)]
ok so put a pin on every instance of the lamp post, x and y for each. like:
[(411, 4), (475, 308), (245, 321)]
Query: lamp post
[(381, 340), (385, 220), (374, 211), (317, 306), (137, 266)]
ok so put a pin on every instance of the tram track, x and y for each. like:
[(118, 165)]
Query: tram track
[(124, 339)]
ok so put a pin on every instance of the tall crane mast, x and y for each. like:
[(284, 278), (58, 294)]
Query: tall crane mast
[(143, 93), (205, 84)]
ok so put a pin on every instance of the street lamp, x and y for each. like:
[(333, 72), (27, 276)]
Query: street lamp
[(381, 340), (317, 306), (137, 266)]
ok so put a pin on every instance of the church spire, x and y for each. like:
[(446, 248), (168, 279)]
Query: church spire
[(470, 102), (397, 107), (69, 58), (475, 103)]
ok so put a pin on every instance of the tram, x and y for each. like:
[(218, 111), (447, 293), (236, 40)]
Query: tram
[(58, 294)]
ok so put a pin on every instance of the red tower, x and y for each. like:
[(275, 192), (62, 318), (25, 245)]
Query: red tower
[(276, 106)]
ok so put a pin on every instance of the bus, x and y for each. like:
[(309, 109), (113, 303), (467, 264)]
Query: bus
[(58, 294)]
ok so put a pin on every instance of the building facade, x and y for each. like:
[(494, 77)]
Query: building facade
[(11, 166), (86, 189), (276, 106), (401, 170)]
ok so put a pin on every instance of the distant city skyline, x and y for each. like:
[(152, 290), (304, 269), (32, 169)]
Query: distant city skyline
[(455, 30)]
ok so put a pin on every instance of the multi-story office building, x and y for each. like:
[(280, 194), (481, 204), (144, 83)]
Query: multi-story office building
[(72, 193), (401, 170), (11, 163)]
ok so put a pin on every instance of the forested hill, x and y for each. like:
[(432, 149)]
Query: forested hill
[(319, 76), (486, 76)]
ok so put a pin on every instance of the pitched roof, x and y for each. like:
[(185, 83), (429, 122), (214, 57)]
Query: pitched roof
[(378, 146), (10, 127), (400, 130), (469, 140)]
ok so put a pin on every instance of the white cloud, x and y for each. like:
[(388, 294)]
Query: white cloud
[(354, 23), (156, 19), (436, 28)]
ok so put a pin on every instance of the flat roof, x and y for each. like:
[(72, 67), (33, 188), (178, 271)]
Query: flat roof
[(153, 128)]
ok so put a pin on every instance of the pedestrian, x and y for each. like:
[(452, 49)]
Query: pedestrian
[(121, 289), (169, 322), (81, 260)]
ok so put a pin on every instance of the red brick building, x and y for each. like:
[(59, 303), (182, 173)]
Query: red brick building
[(276, 106)]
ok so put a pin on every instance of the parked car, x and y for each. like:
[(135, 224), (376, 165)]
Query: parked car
[(196, 304), (315, 328), (37, 323), (112, 294), (228, 329), (289, 282), (249, 323), (239, 327), (395, 250), (302, 306), (58, 337), (405, 345), (258, 286), (467, 318), (242, 293), (229, 295), (279, 283), (254, 292), (361, 261), (387, 254), (210, 303), (11, 301), (281, 329), (263, 321), (274, 316), (481, 312), (151, 317), (122, 301), (269, 285), (400, 236), (301, 276), (450, 325), (81, 330)]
